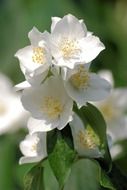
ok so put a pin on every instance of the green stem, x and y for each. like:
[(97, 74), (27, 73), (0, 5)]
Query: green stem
[(118, 178)]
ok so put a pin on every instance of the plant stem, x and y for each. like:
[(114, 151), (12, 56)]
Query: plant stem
[(118, 178)]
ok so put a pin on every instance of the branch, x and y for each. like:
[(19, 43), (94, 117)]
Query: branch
[(118, 178)]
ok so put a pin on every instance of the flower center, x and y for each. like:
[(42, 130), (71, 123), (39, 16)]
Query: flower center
[(88, 139), (69, 48), (38, 55), (52, 107), (34, 145), (80, 79)]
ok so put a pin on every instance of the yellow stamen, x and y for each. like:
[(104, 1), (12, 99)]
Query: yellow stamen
[(69, 47), (34, 148), (88, 139), (52, 107), (80, 79), (34, 145), (38, 55)]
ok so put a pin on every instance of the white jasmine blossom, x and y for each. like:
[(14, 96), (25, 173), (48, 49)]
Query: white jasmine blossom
[(70, 44), (49, 105), (55, 20), (33, 148), (36, 58), (83, 86), (86, 142), (12, 114), (114, 110)]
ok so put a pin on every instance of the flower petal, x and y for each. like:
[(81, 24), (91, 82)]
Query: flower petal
[(22, 86), (36, 125), (107, 75), (91, 46), (35, 36), (54, 22), (98, 88), (25, 160), (25, 57), (69, 25)]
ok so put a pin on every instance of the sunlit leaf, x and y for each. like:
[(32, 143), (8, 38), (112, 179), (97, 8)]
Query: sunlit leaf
[(104, 180)]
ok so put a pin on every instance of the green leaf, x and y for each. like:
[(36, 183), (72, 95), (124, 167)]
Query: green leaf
[(34, 179), (61, 156), (21, 171), (7, 162), (83, 176), (105, 180), (90, 115)]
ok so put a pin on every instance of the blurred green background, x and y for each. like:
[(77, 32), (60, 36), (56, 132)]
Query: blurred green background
[(107, 19)]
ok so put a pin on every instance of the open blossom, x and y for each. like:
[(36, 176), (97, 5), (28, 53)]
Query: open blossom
[(36, 58), (49, 105), (86, 142), (114, 110), (83, 86), (70, 43), (33, 148), (12, 114)]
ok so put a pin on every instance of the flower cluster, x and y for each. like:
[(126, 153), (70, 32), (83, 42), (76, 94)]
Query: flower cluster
[(56, 68)]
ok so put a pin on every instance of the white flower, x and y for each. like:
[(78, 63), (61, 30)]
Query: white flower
[(36, 58), (70, 43), (86, 142), (49, 105), (12, 114), (33, 148), (114, 110), (83, 86)]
